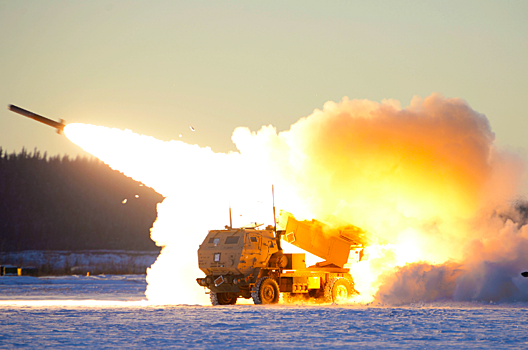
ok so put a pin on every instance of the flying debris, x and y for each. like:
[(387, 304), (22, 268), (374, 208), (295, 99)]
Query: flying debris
[(192, 129), (57, 125), (524, 274)]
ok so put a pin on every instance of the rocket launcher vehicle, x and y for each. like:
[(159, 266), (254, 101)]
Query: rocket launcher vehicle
[(249, 262)]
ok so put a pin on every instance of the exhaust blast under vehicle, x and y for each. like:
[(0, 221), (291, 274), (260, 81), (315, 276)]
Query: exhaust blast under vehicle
[(249, 262)]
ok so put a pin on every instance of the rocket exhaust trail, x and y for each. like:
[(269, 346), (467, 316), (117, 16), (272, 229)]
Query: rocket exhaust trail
[(57, 125)]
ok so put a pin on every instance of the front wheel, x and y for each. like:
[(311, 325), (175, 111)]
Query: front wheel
[(266, 291), (223, 298)]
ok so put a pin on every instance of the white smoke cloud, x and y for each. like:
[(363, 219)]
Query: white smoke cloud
[(423, 181)]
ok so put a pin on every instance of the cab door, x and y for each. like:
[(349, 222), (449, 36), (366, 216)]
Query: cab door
[(253, 243)]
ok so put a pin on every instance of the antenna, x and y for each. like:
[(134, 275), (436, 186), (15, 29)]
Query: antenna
[(274, 217), (230, 217), (277, 235)]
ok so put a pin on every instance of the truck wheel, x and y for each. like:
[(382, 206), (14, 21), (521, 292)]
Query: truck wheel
[(266, 291), (223, 298), (338, 290)]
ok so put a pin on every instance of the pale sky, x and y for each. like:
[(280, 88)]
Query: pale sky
[(160, 67)]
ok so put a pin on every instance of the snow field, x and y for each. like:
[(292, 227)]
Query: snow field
[(108, 312)]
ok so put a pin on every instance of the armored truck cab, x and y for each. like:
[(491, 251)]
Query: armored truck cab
[(232, 260)]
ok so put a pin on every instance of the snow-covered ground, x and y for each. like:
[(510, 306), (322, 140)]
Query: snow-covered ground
[(76, 288), (110, 312)]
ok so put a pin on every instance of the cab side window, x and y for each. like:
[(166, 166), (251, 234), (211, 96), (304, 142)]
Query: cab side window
[(231, 240)]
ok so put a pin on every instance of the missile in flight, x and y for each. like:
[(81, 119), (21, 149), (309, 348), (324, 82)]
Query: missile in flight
[(57, 125)]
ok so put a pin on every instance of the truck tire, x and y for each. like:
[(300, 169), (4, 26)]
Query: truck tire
[(338, 289), (266, 291), (223, 298)]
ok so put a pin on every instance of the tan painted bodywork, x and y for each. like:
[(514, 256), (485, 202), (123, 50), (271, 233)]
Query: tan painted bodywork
[(246, 256)]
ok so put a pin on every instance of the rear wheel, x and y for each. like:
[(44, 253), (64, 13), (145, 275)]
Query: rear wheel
[(223, 298), (266, 291), (338, 290)]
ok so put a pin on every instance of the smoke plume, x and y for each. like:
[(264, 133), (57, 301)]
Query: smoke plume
[(425, 181)]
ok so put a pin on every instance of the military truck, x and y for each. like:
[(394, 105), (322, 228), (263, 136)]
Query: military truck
[(249, 262)]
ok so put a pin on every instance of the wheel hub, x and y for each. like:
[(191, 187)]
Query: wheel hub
[(341, 293), (268, 293)]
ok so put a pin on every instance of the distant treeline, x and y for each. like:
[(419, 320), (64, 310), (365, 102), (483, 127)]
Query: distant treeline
[(59, 203)]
